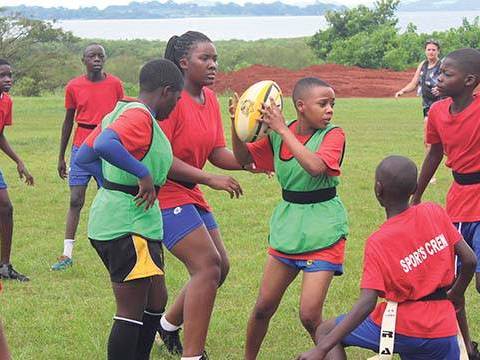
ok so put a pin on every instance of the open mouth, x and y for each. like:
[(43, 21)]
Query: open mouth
[(6, 88)]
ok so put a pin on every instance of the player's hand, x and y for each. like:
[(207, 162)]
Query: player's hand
[(146, 193), (24, 174), (313, 354), (399, 93), (415, 200), (62, 169), (272, 116), (253, 169), (226, 183), (232, 105), (435, 91), (458, 300)]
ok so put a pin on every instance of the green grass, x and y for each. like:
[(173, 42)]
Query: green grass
[(69, 314)]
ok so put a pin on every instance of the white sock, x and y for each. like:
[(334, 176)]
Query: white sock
[(68, 247), (191, 357), (166, 325)]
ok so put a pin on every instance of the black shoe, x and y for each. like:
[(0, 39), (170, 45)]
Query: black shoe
[(171, 340), (204, 356), (476, 353), (8, 272)]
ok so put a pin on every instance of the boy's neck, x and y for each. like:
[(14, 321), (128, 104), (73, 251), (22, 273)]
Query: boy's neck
[(302, 128), (461, 102), (395, 209), (96, 76)]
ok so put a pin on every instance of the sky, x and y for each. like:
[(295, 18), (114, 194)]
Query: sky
[(74, 4)]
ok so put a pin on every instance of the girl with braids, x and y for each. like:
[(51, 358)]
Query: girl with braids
[(195, 131)]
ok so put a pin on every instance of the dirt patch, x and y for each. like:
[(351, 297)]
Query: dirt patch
[(347, 81)]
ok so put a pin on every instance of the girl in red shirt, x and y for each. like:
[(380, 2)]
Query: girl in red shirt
[(195, 131)]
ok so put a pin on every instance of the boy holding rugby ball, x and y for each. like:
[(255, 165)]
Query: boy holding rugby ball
[(308, 227)]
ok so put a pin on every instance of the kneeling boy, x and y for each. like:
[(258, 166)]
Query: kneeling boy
[(410, 261)]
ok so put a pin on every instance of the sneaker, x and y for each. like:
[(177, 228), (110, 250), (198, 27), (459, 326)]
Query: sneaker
[(171, 340), (8, 272), (63, 263), (476, 352)]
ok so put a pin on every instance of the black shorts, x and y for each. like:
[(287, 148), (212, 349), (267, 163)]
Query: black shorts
[(130, 257)]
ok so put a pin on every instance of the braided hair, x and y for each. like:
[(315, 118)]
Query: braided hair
[(178, 47)]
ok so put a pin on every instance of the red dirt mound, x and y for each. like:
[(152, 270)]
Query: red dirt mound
[(347, 81)]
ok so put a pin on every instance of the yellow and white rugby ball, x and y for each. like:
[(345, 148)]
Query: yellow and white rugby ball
[(248, 114)]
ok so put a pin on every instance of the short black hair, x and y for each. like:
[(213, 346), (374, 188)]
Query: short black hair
[(305, 84), (467, 60), (160, 73), (93, 44), (178, 47), (4, 62), (398, 176), (431, 42)]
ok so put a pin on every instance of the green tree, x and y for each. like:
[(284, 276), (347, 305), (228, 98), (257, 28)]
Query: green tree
[(350, 22)]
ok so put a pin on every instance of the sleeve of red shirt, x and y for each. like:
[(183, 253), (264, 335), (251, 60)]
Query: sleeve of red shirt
[(120, 92), (372, 270), (7, 121), (70, 102), (93, 136), (331, 151), (262, 154), (452, 234), (432, 136), (134, 128)]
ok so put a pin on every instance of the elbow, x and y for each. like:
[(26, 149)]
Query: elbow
[(315, 171)]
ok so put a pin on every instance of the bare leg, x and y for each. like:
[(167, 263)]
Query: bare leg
[(77, 200), (175, 313), (314, 291), (433, 180), (276, 279), (6, 226), (195, 304), (4, 353)]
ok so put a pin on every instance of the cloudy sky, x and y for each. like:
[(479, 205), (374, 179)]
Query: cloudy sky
[(104, 3)]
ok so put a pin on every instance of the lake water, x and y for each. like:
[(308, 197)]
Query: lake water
[(244, 28)]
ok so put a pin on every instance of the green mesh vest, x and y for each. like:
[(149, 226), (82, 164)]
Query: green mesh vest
[(299, 228), (113, 213)]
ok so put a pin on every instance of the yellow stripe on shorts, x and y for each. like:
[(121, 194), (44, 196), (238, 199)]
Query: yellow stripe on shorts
[(145, 266)]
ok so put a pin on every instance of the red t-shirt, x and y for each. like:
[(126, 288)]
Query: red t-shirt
[(460, 136), (5, 111), (409, 257), (91, 100), (133, 127), (194, 131), (330, 151)]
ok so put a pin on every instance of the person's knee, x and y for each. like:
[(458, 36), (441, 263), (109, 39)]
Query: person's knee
[(224, 269), (310, 318), (77, 199), (209, 268), (264, 309), (6, 208)]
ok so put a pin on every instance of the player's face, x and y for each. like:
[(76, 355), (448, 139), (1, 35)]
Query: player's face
[(431, 52), (94, 58), (167, 104), (201, 64), (451, 81), (317, 106), (6, 78)]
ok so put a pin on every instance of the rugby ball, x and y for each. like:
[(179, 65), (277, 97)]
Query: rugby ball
[(248, 114)]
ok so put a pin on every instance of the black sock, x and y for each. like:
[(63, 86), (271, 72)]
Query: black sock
[(151, 322), (123, 339)]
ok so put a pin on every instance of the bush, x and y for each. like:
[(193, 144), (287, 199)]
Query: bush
[(27, 86)]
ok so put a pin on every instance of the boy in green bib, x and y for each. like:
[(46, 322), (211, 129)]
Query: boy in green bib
[(124, 226), (308, 227)]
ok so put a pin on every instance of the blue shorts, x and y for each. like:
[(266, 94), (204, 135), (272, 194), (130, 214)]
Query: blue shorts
[(3, 184), (367, 336), (311, 265), (471, 233), (180, 221), (78, 176)]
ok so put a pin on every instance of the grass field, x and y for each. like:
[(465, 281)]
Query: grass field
[(69, 314)]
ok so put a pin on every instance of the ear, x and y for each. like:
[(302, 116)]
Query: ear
[(300, 105), (471, 80), (378, 189), (183, 63)]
